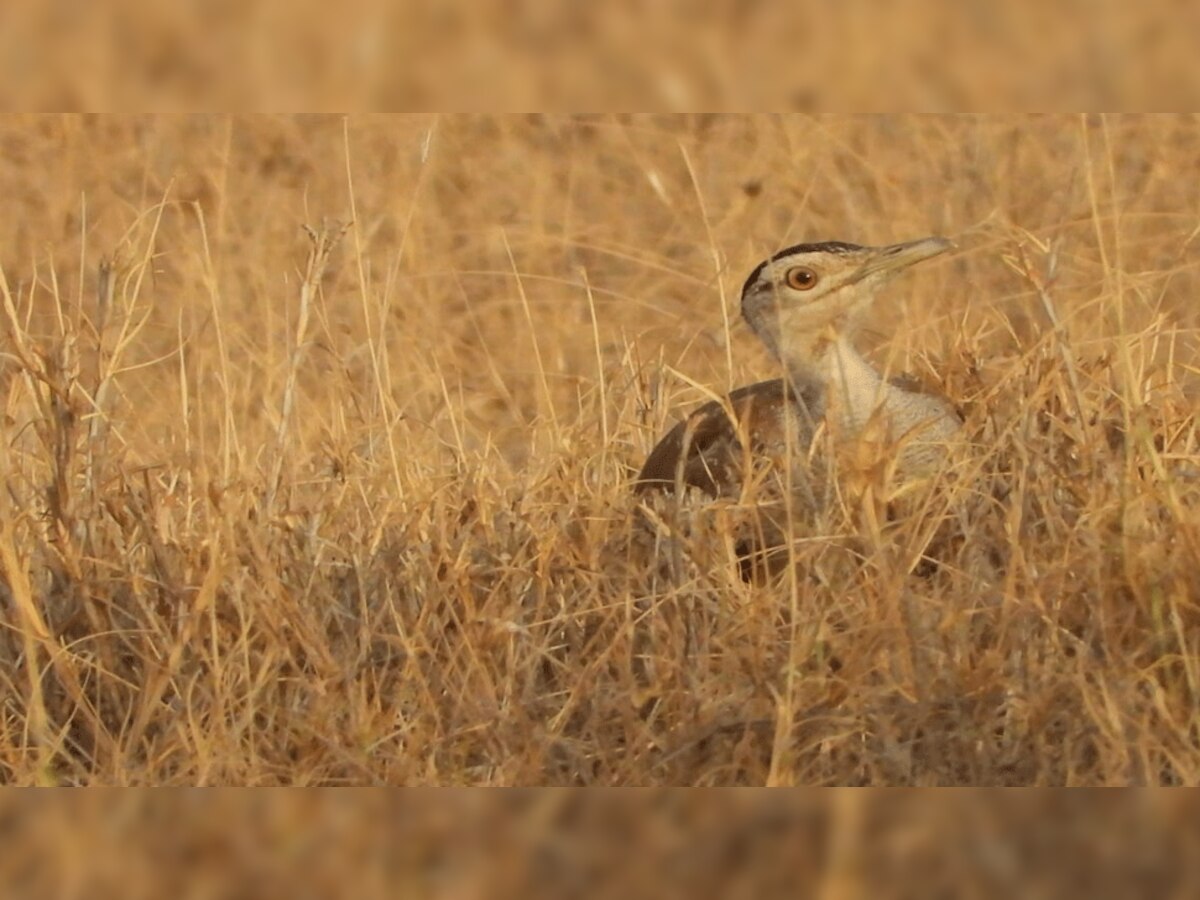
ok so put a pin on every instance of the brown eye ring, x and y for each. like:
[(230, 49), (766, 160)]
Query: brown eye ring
[(801, 278)]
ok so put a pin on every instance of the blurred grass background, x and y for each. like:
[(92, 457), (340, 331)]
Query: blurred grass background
[(355, 523), (130, 55), (741, 844)]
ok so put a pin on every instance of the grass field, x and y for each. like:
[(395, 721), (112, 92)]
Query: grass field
[(280, 515)]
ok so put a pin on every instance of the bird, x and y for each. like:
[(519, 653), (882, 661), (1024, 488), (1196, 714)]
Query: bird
[(805, 303)]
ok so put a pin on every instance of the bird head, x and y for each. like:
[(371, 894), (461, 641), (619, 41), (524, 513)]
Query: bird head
[(806, 297)]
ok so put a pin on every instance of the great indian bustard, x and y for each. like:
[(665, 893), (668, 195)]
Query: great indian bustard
[(805, 303)]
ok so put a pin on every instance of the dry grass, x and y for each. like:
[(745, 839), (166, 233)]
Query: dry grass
[(365, 519)]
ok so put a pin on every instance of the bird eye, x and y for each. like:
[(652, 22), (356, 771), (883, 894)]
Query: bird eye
[(801, 278)]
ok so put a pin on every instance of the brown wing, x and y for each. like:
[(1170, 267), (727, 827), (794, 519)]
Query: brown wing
[(706, 449), (913, 384)]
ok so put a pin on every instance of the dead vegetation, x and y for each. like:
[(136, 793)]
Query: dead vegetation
[(363, 516)]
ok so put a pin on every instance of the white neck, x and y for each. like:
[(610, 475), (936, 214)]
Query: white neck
[(853, 388)]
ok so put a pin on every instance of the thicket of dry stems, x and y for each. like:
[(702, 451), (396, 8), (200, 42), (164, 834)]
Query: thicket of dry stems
[(280, 508)]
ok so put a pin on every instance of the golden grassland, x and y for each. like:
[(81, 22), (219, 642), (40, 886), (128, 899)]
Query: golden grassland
[(280, 508)]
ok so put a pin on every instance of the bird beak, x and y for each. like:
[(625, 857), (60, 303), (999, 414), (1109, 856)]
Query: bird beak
[(900, 256)]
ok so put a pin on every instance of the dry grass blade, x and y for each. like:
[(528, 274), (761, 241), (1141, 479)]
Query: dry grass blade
[(322, 244)]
